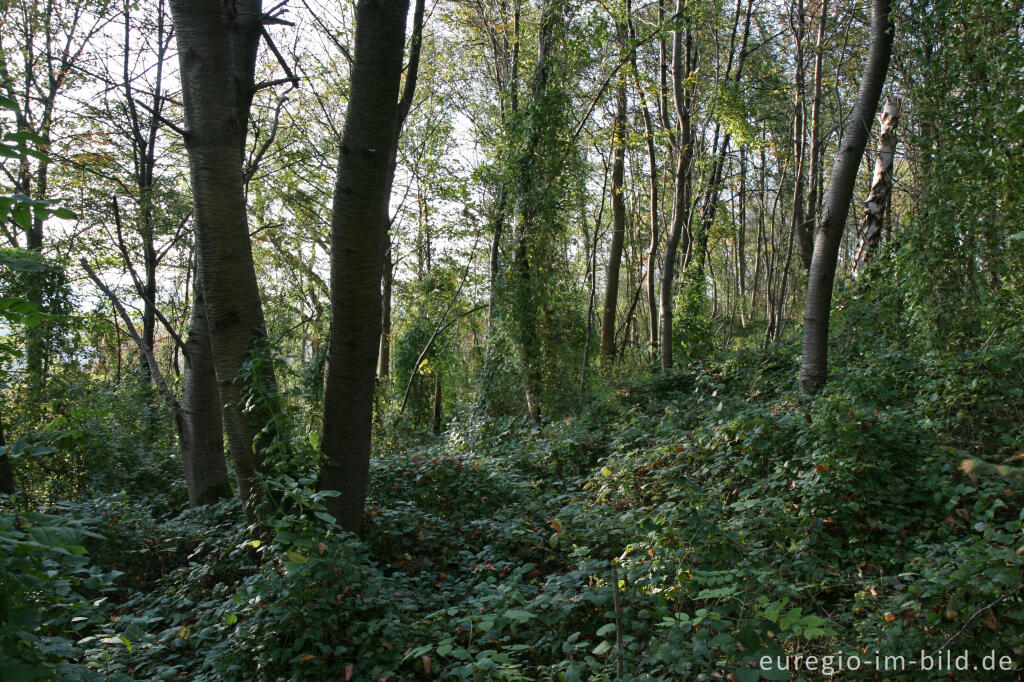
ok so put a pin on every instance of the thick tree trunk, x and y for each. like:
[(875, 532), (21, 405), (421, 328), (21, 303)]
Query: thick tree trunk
[(611, 288), (217, 44), (881, 185), (201, 433), (357, 254), (814, 361)]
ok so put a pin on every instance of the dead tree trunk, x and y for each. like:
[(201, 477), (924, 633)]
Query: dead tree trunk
[(814, 361), (881, 185)]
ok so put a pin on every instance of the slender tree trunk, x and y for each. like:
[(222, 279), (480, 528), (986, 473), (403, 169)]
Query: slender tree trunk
[(360, 216), (741, 257), (437, 403), (814, 172), (875, 208), (814, 362), (384, 363), (652, 167), (217, 45), (681, 201), (611, 290), (6, 474)]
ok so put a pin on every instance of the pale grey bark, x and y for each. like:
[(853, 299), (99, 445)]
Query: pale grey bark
[(814, 361)]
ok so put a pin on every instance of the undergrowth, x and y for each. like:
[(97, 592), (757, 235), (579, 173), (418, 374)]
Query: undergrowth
[(683, 528)]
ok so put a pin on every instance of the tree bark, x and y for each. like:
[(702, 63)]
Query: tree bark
[(202, 434), (360, 215), (217, 45), (384, 361), (437, 402), (881, 186), (814, 361), (681, 205), (611, 289), (814, 172), (6, 474)]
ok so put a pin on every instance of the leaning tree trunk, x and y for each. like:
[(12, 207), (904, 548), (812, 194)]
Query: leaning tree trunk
[(357, 255), (217, 45), (201, 432), (611, 289), (814, 361), (881, 185)]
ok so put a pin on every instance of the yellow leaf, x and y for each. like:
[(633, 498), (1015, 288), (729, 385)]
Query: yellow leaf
[(183, 632), (606, 472)]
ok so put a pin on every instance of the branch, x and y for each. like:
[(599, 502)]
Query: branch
[(280, 57), (140, 289), (147, 352), (426, 349)]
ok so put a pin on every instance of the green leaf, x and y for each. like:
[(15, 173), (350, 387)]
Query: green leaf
[(8, 103), (601, 648)]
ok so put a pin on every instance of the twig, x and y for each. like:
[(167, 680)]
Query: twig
[(971, 620)]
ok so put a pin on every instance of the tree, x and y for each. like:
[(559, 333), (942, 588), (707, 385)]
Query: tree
[(814, 361), (358, 244), (217, 48), (683, 143), (611, 290)]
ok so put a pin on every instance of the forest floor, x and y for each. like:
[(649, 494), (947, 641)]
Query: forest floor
[(687, 528)]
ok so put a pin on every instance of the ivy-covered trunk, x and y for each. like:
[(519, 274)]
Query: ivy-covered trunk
[(814, 361), (217, 44)]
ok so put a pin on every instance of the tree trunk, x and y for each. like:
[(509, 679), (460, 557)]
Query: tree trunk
[(201, 433), (437, 402), (217, 45), (384, 363), (360, 215), (814, 361), (814, 172), (881, 185), (611, 289), (681, 207), (6, 474)]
